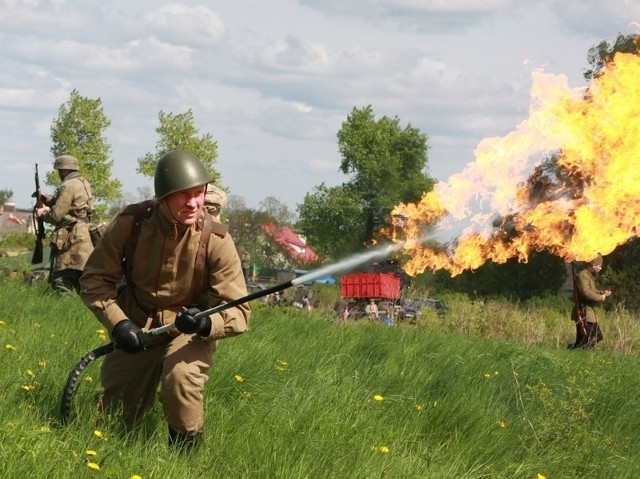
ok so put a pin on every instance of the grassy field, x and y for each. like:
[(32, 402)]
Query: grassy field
[(489, 391)]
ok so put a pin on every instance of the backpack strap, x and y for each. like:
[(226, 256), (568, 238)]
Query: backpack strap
[(205, 225), (140, 211)]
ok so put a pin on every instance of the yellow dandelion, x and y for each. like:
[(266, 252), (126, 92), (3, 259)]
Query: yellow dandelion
[(42, 363), (495, 373), (502, 423), (419, 407), (30, 373), (88, 379), (44, 429), (91, 452), (383, 449), (540, 476), (10, 347), (93, 465), (238, 378), (28, 387), (99, 434), (282, 363), (135, 476), (378, 397), (487, 375), (1, 322)]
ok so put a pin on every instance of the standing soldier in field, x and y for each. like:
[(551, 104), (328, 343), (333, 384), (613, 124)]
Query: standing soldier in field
[(183, 258), (69, 210), (588, 332)]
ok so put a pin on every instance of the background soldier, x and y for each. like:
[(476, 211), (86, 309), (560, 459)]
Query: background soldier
[(588, 332), (69, 210), (214, 200), (187, 259)]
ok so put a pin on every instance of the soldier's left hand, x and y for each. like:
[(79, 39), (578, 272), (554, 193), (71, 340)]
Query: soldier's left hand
[(41, 211), (187, 323)]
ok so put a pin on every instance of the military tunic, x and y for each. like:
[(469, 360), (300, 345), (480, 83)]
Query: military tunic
[(162, 277), (70, 208), (587, 334)]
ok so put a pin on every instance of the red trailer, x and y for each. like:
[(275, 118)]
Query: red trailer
[(370, 286)]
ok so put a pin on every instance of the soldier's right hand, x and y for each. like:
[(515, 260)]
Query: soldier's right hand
[(125, 337)]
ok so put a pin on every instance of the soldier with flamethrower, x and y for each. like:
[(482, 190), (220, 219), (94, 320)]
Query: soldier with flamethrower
[(586, 298)]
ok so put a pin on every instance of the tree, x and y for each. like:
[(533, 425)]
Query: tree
[(386, 165), (79, 131), (177, 132), (277, 210), (602, 53), (5, 195), (331, 220)]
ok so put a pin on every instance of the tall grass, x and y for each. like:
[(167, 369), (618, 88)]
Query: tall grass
[(303, 396)]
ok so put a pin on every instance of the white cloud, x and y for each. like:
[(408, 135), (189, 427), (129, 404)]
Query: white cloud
[(181, 24), (273, 81)]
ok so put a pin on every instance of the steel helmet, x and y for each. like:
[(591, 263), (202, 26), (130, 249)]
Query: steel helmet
[(215, 196), (66, 162), (179, 170)]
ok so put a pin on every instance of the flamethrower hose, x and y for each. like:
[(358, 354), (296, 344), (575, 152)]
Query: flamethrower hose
[(74, 375), (145, 336)]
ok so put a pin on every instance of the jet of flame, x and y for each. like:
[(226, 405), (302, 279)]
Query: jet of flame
[(595, 134)]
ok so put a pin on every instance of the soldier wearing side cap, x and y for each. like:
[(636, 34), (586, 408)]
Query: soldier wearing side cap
[(69, 210), (588, 332)]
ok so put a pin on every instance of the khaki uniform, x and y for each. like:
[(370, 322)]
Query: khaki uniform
[(589, 297), (162, 271), (71, 244)]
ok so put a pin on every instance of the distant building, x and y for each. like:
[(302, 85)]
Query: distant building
[(14, 220), (292, 245)]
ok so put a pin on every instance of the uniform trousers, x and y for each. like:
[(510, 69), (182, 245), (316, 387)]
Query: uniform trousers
[(179, 364)]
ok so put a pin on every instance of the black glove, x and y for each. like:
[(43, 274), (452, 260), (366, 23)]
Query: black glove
[(188, 324), (125, 337)]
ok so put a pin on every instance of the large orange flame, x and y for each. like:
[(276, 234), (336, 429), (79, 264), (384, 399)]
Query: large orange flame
[(595, 134)]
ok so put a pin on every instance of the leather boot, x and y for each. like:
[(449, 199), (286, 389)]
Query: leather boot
[(185, 442)]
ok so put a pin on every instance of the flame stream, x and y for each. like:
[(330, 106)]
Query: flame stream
[(596, 131)]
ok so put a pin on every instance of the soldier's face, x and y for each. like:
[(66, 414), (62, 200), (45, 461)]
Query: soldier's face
[(185, 205)]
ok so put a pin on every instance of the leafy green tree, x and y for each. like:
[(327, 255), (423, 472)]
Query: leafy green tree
[(386, 164), (277, 210), (602, 53), (5, 195), (543, 275), (331, 220), (79, 131), (178, 132)]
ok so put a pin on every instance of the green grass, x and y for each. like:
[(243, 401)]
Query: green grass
[(487, 392)]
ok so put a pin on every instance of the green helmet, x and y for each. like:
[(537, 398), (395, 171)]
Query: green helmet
[(179, 170), (66, 162)]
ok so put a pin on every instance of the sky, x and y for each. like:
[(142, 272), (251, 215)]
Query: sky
[(273, 81)]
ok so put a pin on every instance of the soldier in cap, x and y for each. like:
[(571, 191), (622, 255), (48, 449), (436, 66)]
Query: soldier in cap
[(214, 200), (69, 210), (588, 332), (188, 260)]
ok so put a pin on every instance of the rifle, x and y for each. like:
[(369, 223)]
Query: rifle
[(576, 300), (38, 224)]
